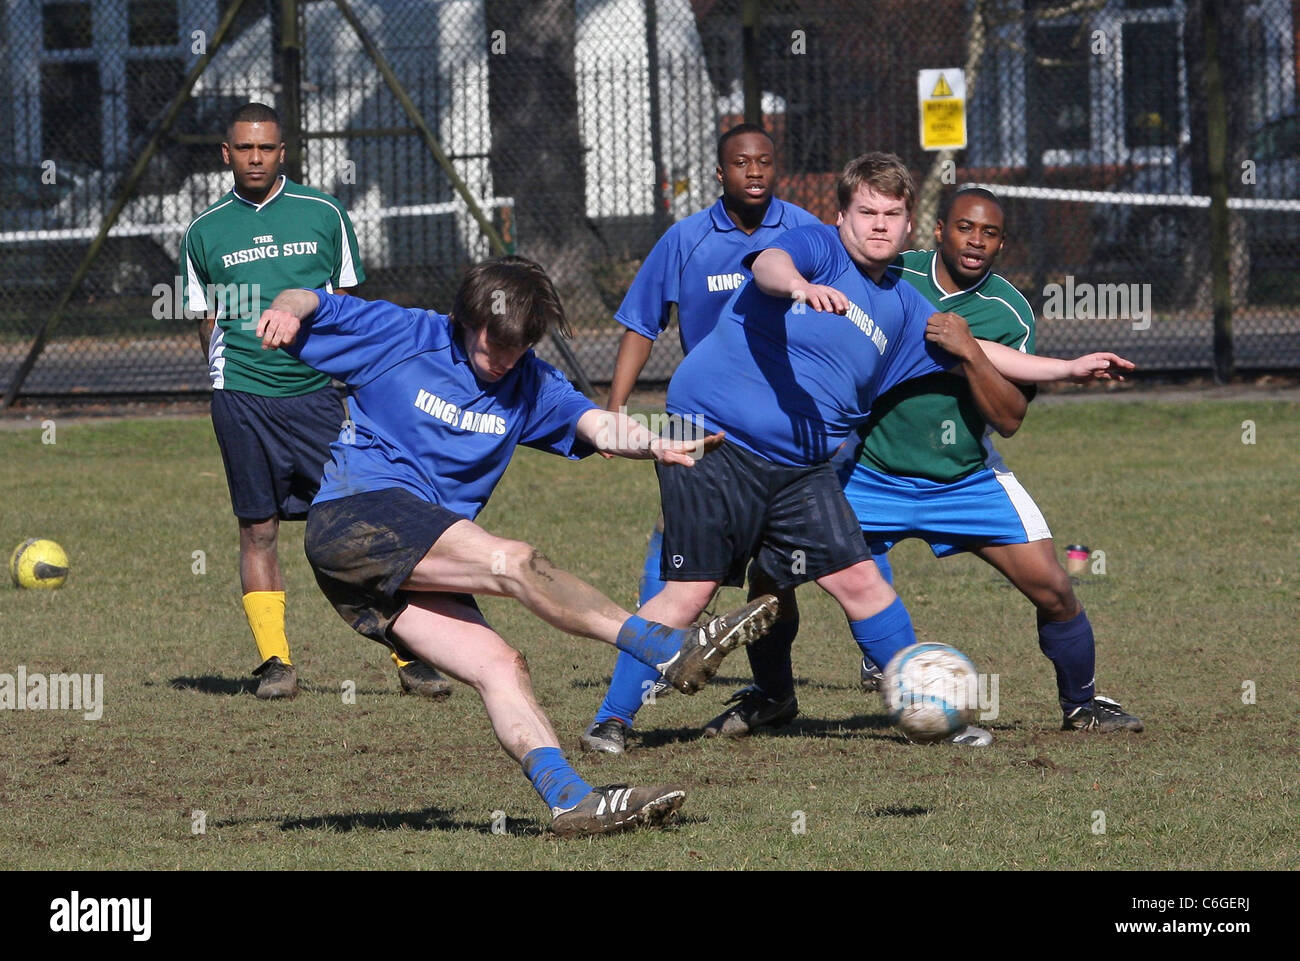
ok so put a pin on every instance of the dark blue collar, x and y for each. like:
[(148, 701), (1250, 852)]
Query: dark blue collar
[(771, 216)]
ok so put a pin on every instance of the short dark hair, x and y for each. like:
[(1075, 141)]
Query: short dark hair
[(253, 113), (738, 130), (945, 204), (883, 172), (513, 298)]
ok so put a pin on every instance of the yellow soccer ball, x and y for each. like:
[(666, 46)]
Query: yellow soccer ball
[(38, 563)]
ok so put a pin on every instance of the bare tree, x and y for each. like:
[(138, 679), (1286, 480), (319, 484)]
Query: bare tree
[(537, 150)]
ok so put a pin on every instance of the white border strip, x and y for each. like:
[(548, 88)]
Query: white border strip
[(1135, 200)]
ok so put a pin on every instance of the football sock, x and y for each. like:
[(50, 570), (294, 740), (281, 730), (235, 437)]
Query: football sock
[(1069, 645), (632, 678), (627, 689), (398, 661), (882, 562), (265, 613), (769, 658), (554, 778), (651, 581), (883, 635), (650, 643)]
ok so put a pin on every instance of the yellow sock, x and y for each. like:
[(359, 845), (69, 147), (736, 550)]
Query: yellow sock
[(398, 661), (265, 612)]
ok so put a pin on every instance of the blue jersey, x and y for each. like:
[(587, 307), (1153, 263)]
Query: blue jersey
[(697, 265), (421, 420), (790, 383)]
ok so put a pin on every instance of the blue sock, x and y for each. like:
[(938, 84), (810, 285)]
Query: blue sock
[(627, 689), (880, 554), (649, 642), (651, 580), (769, 657), (553, 778), (632, 678), (1070, 647), (883, 635)]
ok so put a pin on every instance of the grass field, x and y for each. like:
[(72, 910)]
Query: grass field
[(1199, 596)]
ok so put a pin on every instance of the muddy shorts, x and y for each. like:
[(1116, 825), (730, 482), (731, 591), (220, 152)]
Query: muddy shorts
[(362, 548)]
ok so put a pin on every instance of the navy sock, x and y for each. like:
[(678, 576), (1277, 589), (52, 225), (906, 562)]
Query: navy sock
[(651, 580), (553, 778), (1069, 645), (769, 658), (648, 642), (627, 689), (883, 635)]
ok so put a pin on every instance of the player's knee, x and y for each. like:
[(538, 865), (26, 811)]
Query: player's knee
[(681, 602), (696, 596), (502, 669), (259, 535), (516, 563), (1055, 598), (861, 581)]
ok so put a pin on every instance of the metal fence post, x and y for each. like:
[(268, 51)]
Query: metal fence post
[(1216, 143)]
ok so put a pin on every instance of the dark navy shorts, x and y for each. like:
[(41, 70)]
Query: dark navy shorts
[(362, 549), (734, 506), (275, 449)]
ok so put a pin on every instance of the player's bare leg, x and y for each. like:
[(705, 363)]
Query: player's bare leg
[(1035, 571), (263, 589), (453, 638), (1064, 633), (259, 560), (860, 589), (468, 559), (679, 603)]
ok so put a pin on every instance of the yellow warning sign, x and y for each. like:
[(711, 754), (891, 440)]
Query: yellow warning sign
[(942, 99)]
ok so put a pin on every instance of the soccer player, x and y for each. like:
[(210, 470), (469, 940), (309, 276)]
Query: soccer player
[(440, 402), (696, 266), (274, 417), (792, 367), (927, 467)]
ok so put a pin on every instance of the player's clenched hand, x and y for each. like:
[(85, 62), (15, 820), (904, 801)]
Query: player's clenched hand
[(820, 297), (1099, 366), (277, 328), (684, 452), (952, 333)]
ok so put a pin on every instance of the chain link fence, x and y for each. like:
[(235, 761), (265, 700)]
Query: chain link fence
[(583, 128)]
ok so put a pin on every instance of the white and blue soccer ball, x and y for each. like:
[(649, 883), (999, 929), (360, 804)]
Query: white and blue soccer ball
[(931, 691)]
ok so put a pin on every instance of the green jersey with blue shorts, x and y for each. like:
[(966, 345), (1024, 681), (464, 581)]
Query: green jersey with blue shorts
[(926, 466)]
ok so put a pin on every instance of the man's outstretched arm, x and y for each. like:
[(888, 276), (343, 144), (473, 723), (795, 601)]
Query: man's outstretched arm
[(947, 329), (613, 432), (279, 324)]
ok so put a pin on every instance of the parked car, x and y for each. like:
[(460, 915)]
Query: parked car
[(1155, 240), (48, 219)]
